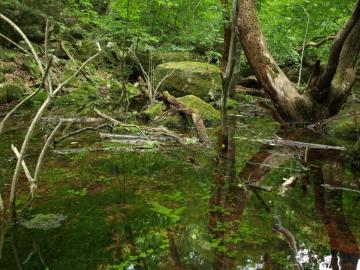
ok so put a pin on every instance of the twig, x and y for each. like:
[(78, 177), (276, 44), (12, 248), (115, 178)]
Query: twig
[(14, 43), (282, 142), (26, 170), (327, 186), (43, 151), (304, 44), (195, 117), (80, 131), (46, 45), (27, 41), (107, 117), (291, 241), (58, 89), (256, 186), (29, 133), (26, 99), (160, 130)]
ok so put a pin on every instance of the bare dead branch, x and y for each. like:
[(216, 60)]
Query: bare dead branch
[(27, 41), (26, 99)]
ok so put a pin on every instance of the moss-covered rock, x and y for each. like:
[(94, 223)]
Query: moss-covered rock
[(208, 113), (190, 78), (10, 92), (160, 57)]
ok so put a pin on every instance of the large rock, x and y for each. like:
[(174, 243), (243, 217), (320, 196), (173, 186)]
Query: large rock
[(190, 78), (208, 113), (160, 57)]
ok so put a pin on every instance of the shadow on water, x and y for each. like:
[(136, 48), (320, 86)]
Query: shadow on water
[(187, 210)]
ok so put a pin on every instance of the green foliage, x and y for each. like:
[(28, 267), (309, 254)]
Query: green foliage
[(284, 24)]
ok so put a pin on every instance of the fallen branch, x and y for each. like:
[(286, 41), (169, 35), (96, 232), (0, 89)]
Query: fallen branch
[(136, 137), (313, 44), (8, 115), (30, 131), (282, 142), (26, 170), (327, 186), (85, 120), (15, 44), (27, 41), (249, 91), (291, 241), (198, 122), (80, 131), (258, 187), (291, 182), (159, 130), (43, 151)]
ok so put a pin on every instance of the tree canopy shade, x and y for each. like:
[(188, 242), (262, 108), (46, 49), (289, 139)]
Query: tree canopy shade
[(330, 87)]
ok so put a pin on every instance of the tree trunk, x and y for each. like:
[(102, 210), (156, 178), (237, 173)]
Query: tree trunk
[(330, 89)]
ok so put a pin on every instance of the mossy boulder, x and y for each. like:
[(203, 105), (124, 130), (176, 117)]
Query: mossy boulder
[(208, 113), (160, 57), (190, 78), (10, 92)]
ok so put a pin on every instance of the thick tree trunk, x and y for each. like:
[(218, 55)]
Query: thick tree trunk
[(330, 89)]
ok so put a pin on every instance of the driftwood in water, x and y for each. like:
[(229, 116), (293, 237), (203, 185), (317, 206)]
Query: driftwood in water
[(128, 137), (282, 142), (80, 131), (195, 117), (82, 120)]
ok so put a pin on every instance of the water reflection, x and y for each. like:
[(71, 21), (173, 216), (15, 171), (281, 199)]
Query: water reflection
[(231, 197)]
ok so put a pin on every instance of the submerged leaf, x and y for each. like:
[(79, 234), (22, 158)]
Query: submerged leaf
[(44, 221)]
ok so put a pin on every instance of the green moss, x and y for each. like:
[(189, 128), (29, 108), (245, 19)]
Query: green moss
[(7, 55), (2, 77), (195, 78), (10, 92), (7, 68), (208, 113), (154, 111), (31, 65), (232, 104)]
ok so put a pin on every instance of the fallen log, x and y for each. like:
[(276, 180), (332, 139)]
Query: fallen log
[(195, 117), (282, 142), (249, 91), (128, 137), (142, 129), (84, 120)]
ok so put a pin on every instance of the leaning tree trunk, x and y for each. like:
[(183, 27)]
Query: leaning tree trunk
[(331, 87)]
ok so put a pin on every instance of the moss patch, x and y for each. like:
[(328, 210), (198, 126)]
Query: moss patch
[(10, 92), (207, 112)]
